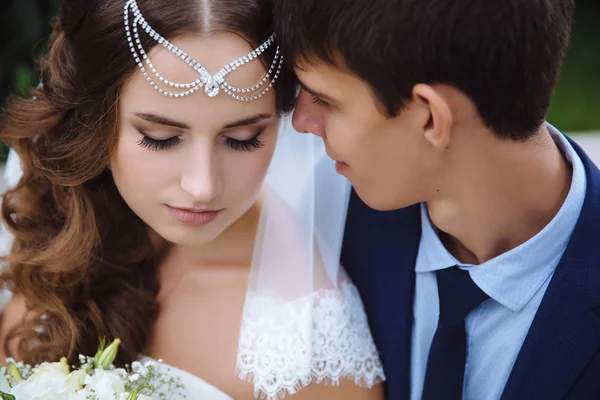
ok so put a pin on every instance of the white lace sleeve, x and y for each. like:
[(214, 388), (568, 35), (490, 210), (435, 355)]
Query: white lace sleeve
[(279, 355), (303, 319)]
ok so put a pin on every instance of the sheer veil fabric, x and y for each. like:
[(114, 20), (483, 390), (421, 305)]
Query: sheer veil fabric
[(303, 319)]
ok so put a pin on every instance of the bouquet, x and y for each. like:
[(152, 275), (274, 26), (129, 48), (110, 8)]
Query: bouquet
[(95, 378)]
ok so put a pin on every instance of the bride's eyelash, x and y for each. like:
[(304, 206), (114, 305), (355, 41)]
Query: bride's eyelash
[(249, 145), (252, 144), (150, 143)]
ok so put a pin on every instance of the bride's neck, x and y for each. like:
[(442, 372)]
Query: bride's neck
[(229, 255), (233, 247)]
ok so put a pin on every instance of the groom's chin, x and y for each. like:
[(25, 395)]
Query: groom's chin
[(382, 201)]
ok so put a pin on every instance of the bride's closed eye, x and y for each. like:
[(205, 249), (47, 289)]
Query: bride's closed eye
[(252, 144), (153, 144), (150, 143)]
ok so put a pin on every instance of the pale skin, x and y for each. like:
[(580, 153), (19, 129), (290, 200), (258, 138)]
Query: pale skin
[(204, 275), (484, 194)]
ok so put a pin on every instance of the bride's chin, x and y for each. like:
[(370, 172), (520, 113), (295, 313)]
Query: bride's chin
[(190, 236)]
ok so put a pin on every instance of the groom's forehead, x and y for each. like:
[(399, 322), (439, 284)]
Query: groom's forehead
[(321, 73), (333, 84), (333, 65)]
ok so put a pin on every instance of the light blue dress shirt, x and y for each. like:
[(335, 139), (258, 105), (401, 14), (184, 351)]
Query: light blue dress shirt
[(515, 281)]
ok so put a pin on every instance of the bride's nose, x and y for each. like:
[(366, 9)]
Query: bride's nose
[(200, 177)]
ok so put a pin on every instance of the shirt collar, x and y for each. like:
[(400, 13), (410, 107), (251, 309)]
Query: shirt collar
[(513, 278)]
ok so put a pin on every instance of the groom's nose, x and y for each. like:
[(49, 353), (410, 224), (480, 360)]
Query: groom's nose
[(308, 117)]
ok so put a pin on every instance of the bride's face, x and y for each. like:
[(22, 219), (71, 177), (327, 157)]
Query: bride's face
[(189, 167)]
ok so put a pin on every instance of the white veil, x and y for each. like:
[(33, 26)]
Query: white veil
[(303, 320)]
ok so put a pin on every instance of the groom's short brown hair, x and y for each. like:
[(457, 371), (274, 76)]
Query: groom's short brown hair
[(505, 55)]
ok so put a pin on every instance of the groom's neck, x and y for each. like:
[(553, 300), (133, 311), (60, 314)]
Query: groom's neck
[(500, 194)]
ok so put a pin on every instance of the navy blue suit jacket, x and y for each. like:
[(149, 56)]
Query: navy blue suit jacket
[(560, 358)]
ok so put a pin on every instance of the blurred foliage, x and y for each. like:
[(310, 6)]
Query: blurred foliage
[(24, 28), (576, 103), (25, 25)]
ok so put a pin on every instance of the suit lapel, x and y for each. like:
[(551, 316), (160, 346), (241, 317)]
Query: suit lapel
[(379, 253), (565, 332)]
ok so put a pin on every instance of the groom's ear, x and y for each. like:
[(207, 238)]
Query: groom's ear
[(437, 126)]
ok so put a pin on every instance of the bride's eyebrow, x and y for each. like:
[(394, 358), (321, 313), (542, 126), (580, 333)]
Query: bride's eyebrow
[(165, 121), (160, 120), (248, 121)]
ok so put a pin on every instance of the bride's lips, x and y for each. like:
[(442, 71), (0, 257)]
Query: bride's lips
[(193, 217)]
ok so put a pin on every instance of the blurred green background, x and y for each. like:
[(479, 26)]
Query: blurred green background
[(24, 27), (576, 103)]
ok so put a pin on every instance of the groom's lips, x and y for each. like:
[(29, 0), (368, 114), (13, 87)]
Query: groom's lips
[(340, 166)]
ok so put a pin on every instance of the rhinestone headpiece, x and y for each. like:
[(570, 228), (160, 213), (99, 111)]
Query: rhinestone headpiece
[(213, 84)]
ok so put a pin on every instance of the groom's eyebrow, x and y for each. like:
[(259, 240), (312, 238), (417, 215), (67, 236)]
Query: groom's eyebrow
[(315, 93)]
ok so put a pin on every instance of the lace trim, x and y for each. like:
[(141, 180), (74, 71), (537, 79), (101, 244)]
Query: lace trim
[(279, 352)]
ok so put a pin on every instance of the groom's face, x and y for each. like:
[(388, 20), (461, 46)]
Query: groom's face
[(387, 160)]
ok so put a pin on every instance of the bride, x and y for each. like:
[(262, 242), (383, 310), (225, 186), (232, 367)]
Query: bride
[(154, 205)]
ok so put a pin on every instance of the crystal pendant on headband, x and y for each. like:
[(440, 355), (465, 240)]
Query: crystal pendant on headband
[(212, 83), (211, 88)]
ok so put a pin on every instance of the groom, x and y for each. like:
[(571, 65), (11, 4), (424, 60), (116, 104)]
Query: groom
[(484, 282)]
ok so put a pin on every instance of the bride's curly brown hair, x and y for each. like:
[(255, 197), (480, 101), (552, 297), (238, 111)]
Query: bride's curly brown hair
[(81, 258)]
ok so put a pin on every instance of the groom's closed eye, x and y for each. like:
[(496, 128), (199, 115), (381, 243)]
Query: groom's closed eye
[(317, 98), (319, 101)]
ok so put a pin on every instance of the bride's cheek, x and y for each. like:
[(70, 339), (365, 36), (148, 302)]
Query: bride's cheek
[(246, 174), (139, 170)]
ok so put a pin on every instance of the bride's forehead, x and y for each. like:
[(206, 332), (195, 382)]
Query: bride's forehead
[(197, 110), (213, 52)]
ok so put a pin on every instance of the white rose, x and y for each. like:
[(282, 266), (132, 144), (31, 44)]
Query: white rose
[(50, 379), (74, 381), (47, 380), (50, 371), (4, 386), (106, 384), (39, 389)]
